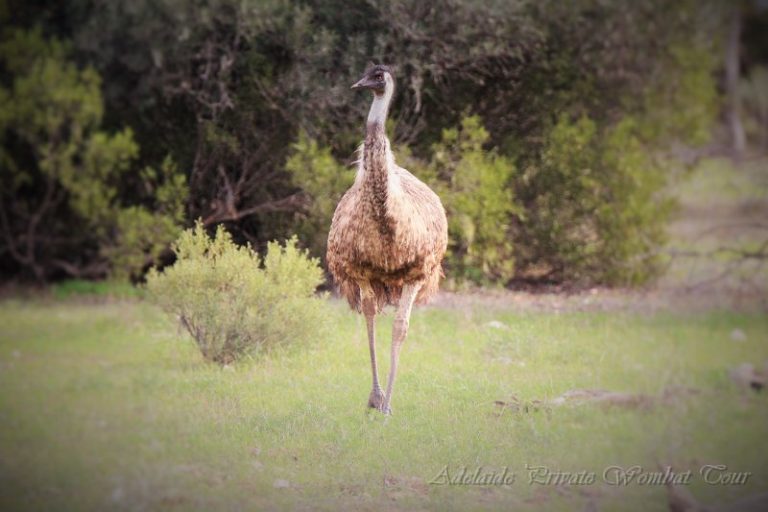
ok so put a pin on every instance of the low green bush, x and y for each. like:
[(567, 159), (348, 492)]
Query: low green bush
[(754, 93), (476, 187), (587, 206), (596, 207), (324, 181), (234, 302)]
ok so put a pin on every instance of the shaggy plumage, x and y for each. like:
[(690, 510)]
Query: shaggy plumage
[(389, 231), (387, 237)]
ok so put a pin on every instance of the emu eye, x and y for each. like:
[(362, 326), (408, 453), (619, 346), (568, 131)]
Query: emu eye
[(378, 76)]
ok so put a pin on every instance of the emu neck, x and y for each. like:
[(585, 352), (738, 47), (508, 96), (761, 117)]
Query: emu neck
[(376, 161), (380, 106)]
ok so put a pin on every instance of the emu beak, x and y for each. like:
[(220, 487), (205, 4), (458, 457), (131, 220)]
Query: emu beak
[(364, 83)]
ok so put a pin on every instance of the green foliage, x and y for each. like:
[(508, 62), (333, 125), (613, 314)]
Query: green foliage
[(142, 234), (754, 94), (53, 111), (590, 207), (681, 104), (222, 86), (232, 302), (56, 108), (476, 189), (324, 180), (596, 210)]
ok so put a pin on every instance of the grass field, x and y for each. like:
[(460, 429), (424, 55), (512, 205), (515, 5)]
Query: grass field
[(106, 405)]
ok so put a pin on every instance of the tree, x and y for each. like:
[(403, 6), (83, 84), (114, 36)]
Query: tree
[(732, 78), (61, 175), (227, 88)]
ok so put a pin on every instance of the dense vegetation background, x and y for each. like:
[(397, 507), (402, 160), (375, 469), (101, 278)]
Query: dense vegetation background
[(550, 129)]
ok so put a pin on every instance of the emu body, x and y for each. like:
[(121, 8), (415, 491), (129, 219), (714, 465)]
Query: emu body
[(388, 235)]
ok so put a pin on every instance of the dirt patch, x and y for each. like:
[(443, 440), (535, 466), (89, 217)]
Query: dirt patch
[(397, 487), (600, 397), (677, 299), (746, 376)]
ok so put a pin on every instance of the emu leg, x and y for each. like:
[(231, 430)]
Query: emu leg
[(399, 332), (368, 301)]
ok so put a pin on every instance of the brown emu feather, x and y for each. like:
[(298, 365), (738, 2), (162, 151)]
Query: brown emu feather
[(389, 229)]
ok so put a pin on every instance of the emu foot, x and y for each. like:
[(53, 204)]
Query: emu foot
[(376, 399)]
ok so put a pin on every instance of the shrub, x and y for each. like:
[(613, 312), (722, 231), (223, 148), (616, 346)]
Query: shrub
[(595, 208), (587, 206), (142, 234), (234, 303), (476, 189), (324, 181), (66, 182), (754, 93)]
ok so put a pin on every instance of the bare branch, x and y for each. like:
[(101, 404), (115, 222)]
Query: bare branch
[(286, 204)]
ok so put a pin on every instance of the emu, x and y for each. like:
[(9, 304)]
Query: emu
[(388, 235)]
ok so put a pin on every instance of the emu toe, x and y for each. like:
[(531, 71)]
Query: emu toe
[(376, 399)]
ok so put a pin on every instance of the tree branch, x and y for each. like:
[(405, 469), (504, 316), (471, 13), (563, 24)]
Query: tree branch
[(286, 204)]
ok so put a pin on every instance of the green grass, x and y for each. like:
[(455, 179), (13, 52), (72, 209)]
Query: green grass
[(82, 288), (109, 406)]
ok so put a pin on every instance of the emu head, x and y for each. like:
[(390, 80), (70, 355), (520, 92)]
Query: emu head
[(377, 78)]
